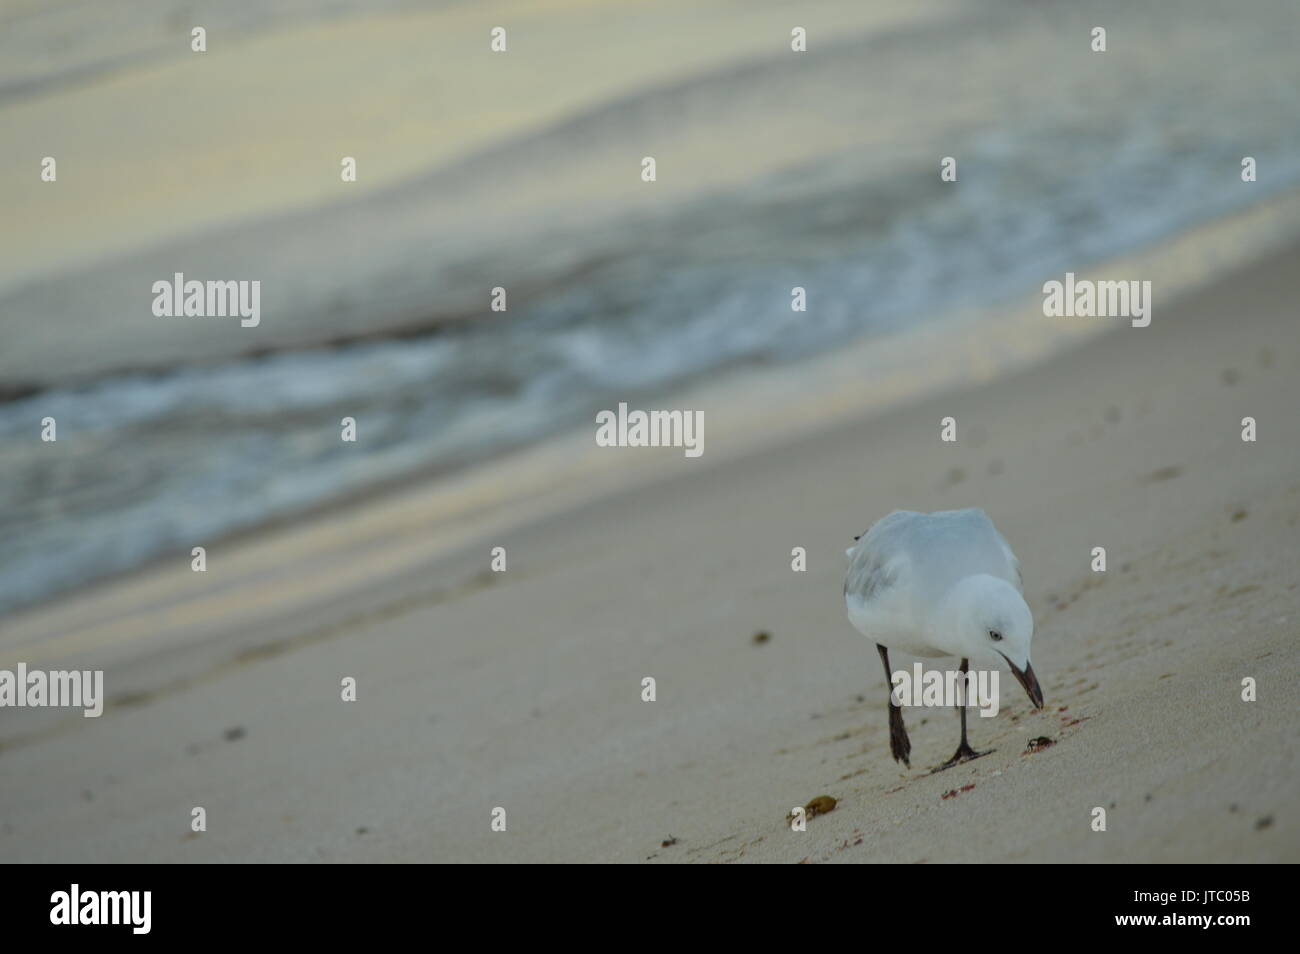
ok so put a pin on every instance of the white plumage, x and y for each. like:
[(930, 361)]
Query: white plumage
[(941, 584)]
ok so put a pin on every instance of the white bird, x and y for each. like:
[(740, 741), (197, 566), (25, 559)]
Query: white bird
[(940, 584)]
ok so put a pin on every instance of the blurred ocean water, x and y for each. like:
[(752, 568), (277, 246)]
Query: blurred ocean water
[(814, 171)]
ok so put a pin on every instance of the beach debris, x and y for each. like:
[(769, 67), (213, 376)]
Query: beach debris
[(957, 791), (761, 637), (1163, 473), (1038, 744), (235, 733), (668, 842), (1239, 515), (820, 806), (1265, 822)]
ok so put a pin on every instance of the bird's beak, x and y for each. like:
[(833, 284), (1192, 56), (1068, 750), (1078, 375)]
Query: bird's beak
[(1027, 679)]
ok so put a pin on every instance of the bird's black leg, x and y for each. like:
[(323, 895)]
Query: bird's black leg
[(964, 752), (900, 746)]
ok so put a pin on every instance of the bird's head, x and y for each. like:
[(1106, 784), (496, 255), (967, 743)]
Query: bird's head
[(991, 625)]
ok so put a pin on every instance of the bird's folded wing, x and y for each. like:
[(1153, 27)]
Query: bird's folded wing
[(1011, 559), (871, 573)]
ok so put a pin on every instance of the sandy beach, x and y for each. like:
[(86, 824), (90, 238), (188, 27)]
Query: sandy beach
[(522, 689), (824, 234)]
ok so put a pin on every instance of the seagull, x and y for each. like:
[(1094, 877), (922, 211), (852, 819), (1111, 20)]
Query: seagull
[(940, 584)]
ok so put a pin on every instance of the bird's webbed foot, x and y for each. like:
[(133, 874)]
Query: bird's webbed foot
[(964, 753)]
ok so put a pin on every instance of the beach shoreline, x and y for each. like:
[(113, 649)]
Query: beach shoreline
[(862, 378), (786, 178), (523, 689)]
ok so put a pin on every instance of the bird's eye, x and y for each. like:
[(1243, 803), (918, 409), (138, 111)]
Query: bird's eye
[(995, 636)]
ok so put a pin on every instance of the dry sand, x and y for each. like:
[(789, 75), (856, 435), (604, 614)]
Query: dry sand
[(522, 689)]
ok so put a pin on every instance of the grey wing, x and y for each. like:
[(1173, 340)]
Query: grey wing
[(867, 575), (876, 564), (945, 546), (1013, 564), (1011, 557)]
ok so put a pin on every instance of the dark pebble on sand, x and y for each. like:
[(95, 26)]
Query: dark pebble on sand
[(820, 805)]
